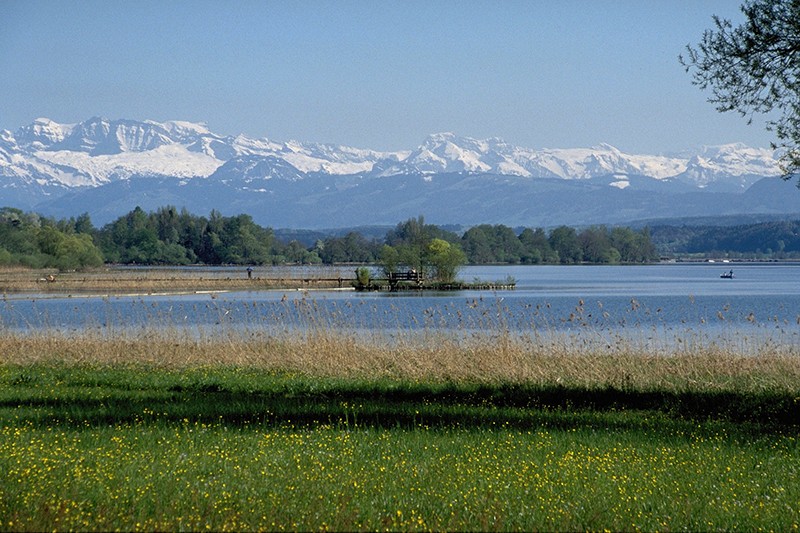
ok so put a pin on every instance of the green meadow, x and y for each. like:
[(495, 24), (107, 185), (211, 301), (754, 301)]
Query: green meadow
[(328, 432)]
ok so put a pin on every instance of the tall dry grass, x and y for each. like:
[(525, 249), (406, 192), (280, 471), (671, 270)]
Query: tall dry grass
[(430, 356)]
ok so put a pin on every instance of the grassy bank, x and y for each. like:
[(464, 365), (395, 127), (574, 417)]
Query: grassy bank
[(330, 432)]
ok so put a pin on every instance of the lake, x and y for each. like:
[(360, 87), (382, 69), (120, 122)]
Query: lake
[(662, 302)]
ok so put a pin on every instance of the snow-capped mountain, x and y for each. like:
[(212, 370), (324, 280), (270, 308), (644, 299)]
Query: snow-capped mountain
[(98, 150), (45, 162), (446, 152), (733, 164), (42, 134)]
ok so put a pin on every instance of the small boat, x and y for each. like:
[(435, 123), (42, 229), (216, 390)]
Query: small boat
[(727, 275)]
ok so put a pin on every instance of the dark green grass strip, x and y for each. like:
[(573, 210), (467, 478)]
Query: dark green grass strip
[(69, 395)]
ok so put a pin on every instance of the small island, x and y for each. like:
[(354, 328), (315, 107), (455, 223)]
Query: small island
[(411, 280), (419, 261)]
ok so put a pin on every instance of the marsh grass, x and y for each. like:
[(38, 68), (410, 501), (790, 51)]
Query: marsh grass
[(429, 356)]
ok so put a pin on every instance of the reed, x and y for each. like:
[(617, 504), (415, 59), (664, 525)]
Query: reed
[(430, 357)]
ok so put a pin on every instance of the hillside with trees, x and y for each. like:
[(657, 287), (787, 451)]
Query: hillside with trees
[(169, 237)]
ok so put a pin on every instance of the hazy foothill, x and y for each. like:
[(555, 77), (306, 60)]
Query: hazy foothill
[(164, 369)]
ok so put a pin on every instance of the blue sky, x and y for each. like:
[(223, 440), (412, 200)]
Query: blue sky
[(373, 74)]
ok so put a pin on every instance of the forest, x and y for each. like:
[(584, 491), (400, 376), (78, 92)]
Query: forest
[(774, 240), (168, 236)]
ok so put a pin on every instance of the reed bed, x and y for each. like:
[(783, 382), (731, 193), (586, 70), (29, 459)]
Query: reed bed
[(430, 357)]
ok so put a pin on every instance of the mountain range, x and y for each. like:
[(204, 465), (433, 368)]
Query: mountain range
[(107, 167)]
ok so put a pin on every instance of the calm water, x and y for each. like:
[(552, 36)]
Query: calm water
[(762, 302)]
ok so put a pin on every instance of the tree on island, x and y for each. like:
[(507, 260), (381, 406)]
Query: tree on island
[(754, 68), (445, 260), (424, 248)]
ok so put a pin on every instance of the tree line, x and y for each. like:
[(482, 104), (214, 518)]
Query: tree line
[(168, 236), (29, 240), (497, 244), (764, 240), (487, 244)]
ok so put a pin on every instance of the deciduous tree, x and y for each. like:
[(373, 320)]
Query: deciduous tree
[(754, 68), (445, 259)]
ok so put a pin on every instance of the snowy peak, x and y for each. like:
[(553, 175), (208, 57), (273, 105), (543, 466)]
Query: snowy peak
[(737, 159), (182, 129), (99, 151), (730, 167), (722, 165), (96, 151), (330, 159), (251, 169), (42, 134), (8, 145), (447, 153), (99, 136)]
